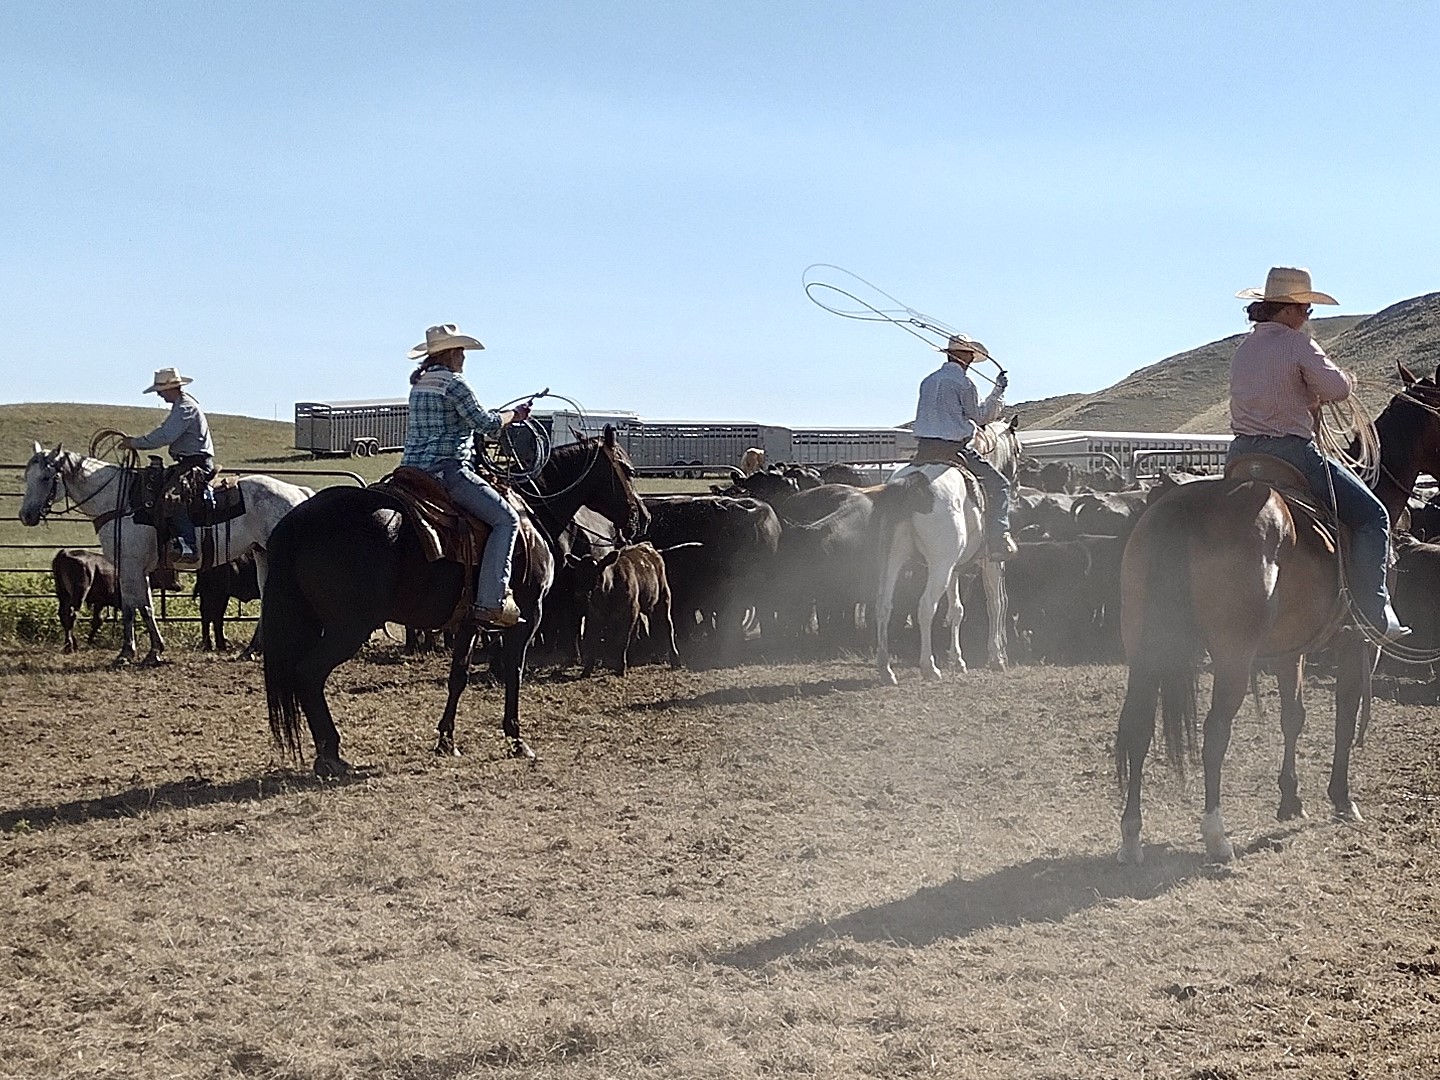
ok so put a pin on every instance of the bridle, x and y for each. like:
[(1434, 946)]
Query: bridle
[(59, 466), (1411, 397)]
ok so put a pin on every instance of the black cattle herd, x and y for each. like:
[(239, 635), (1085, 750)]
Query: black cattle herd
[(780, 564)]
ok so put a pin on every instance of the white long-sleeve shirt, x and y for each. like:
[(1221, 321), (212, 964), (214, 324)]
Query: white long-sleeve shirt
[(950, 407)]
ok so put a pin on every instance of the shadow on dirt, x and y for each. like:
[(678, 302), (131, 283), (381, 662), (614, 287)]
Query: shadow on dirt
[(1041, 890), (176, 795), (757, 695)]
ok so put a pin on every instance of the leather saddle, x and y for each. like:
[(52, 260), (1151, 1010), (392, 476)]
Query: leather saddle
[(1306, 508), (445, 531), (215, 503)]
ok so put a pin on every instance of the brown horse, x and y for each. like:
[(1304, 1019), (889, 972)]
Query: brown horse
[(346, 562), (1227, 566)]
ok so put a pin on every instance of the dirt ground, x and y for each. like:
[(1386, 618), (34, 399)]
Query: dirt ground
[(765, 870)]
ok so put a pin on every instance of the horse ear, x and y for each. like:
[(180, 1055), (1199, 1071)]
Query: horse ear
[(1015, 422), (39, 449), (609, 436), (1405, 375)]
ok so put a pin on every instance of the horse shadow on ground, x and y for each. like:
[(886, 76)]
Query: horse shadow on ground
[(190, 792), (1047, 890), (757, 695)]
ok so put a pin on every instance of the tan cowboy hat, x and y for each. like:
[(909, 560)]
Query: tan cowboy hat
[(165, 378), (1287, 285), (961, 343), (442, 337)]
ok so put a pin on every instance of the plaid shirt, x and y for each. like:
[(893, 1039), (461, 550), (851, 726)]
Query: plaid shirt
[(444, 416), (949, 407), (1279, 378)]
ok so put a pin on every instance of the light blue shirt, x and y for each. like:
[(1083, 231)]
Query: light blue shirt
[(185, 431), (950, 406)]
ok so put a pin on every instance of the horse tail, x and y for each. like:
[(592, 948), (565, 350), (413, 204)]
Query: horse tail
[(289, 629), (1164, 662), (896, 501)]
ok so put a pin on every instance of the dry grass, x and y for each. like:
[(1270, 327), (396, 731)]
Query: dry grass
[(760, 871)]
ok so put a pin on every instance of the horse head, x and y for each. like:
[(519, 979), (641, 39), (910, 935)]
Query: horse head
[(618, 499), (44, 475)]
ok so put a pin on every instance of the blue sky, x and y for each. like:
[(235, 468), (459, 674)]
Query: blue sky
[(620, 198)]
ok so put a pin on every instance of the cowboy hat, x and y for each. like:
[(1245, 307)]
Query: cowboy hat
[(442, 337), (1287, 285), (961, 343), (166, 378)]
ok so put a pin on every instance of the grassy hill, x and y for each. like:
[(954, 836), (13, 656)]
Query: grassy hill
[(1170, 395)]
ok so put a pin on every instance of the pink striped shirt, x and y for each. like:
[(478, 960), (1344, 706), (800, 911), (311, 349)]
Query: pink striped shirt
[(1279, 377)]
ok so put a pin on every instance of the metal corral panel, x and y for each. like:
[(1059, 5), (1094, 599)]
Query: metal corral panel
[(334, 427)]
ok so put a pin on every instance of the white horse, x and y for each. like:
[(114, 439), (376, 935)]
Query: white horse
[(928, 512), (96, 488)]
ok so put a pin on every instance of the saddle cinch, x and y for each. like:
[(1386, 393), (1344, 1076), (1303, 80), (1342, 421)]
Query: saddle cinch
[(1290, 484)]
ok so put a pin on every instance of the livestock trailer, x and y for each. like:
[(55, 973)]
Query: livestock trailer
[(1135, 454), (362, 428)]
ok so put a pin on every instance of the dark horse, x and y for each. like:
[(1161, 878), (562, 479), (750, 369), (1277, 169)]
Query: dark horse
[(346, 562), (1226, 566)]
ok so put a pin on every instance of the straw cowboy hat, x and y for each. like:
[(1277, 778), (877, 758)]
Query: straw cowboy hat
[(442, 337), (1287, 285), (165, 379), (961, 343)]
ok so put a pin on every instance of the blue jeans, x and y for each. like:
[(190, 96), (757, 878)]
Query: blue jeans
[(1354, 504), (475, 496), (997, 492)]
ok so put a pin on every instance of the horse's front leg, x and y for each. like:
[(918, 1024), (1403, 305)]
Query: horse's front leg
[(513, 645), (459, 677), (127, 635), (1352, 675)]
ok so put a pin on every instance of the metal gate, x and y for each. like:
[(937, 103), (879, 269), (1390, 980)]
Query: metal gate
[(75, 531)]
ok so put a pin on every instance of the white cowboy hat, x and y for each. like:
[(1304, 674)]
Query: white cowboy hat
[(442, 337), (1287, 285), (165, 378), (961, 343)]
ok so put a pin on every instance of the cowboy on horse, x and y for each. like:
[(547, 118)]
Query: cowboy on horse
[(1279, 378), (187, 433), (946, 418)]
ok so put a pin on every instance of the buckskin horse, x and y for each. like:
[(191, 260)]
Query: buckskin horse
[(348, 561), (927, 511), (1228, 566), (102, 491)]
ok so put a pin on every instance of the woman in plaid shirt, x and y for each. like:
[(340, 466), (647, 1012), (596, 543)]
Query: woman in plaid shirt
[(1279, 379), (440, 438)]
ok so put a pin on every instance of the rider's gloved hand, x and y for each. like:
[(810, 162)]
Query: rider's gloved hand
[(522, 413), (1002, 381)]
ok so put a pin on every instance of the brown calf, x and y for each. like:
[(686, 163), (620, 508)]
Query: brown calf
[(617, 591), (86, 577)]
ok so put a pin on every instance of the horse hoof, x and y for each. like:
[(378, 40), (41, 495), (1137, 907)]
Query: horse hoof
[(446, 748), (1290, 811), (1130, 854), (331, 768), (521, 749), (1349, 814), (930, 673), (887, 677)]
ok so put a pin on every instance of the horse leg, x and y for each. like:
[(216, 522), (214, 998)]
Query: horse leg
[(127, 636), (1231, 679), (953, 621), (261, 567), (1292, 721), (937, 580), (459, 679), (899, 554), (332, 649), (1132, 744), (1352, 676), (157, 643), (513, 645)]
